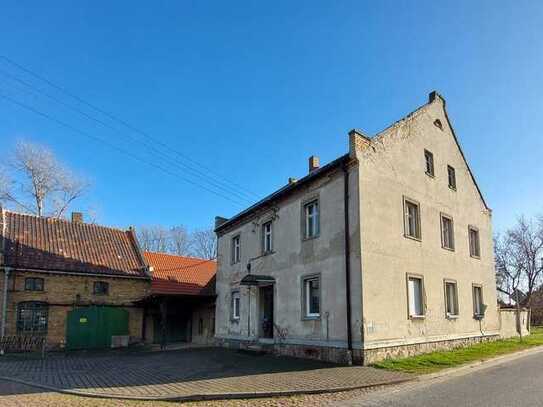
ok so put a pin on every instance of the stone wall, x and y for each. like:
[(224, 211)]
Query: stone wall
[(396, 352), (509, 323), (61, 292)]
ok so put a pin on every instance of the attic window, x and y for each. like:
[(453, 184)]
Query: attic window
[(438, 124)]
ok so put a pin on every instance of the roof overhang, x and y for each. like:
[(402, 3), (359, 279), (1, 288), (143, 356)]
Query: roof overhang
[(256, 280)]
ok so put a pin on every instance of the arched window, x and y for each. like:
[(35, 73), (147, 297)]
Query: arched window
[(32, 317)]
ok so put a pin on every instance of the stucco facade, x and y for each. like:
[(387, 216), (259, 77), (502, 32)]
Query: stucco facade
[(372, 181)]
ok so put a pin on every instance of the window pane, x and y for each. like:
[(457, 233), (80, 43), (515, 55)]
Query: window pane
[(312, 297), (450, 289), (448, 233), (477, 300), (311, 211), (38, 285), (415, 296), (32, 318), (429, 162), (412, 214), (474, 242), (235, 305)]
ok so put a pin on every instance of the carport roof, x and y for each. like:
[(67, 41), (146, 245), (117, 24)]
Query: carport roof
[(180, 275)]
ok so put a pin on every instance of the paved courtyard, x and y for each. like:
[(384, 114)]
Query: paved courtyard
[(190, 374)]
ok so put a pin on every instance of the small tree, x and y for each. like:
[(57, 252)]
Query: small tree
[(36, 182)]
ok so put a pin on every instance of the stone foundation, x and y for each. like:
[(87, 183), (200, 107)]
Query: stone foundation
[(323, 353), (403, 351), (358, 357)]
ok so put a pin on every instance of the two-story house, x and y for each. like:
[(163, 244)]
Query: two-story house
[(385, 251)]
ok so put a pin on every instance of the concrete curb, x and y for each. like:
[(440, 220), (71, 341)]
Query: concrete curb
[(207, 396), (481, 364)]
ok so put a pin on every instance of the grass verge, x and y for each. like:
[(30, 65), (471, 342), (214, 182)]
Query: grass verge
[(432, 362)]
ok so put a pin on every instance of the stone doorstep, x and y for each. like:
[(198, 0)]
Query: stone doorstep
[(211, 395)]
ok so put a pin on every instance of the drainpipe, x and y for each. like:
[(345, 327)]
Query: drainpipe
[(5, 301), (347, 265)]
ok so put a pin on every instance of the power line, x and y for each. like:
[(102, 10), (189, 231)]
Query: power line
[(100, 140), (123, 122), (195, 172)]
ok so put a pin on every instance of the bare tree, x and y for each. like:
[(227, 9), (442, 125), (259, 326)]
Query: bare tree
[(180, 241), (519, 258), (508, 269), (153, 238), (38, 183), (204, 243)]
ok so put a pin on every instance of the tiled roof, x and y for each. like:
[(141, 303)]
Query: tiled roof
[(179, 275), (50, 244)]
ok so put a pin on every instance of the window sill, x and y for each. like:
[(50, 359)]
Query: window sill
[(306, 238), (452, 317), (311, 317), (452, 188), (264, 254), (475, 257), (450, 249), (417, 317), (430, 174), (478, 317), (417, 239)]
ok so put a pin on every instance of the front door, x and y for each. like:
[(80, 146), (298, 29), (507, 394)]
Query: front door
[(266, 311)]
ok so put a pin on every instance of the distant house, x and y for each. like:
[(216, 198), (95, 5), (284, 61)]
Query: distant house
[(76, 284), (181, 304), (385, 251)]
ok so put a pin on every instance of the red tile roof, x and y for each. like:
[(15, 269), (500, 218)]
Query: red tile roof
[(50, 244), (179, 275)]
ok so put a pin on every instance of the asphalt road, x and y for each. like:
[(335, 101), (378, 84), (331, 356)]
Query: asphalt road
[(518, 383)]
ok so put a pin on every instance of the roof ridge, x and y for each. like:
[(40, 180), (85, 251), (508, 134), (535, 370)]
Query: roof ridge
[(178, 255), (52, 218)]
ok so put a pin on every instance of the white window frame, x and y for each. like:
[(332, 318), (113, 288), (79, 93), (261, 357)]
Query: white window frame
[(444, 236), (312, 218), (477, 242), (236, 305), (417, 235), (446, 284), (477, 305), (236, 249), (267, 237), (306, 292), (411, 305)]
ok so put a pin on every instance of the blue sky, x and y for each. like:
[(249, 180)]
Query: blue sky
[(251, 89)]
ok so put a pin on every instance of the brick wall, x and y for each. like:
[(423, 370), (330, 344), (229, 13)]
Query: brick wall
[(61, 291)]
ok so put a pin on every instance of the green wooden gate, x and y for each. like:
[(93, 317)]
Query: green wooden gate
[(92, 327)]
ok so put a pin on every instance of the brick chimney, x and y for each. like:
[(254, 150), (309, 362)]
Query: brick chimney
[(219, 221), (314, 163), (77, 217)]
